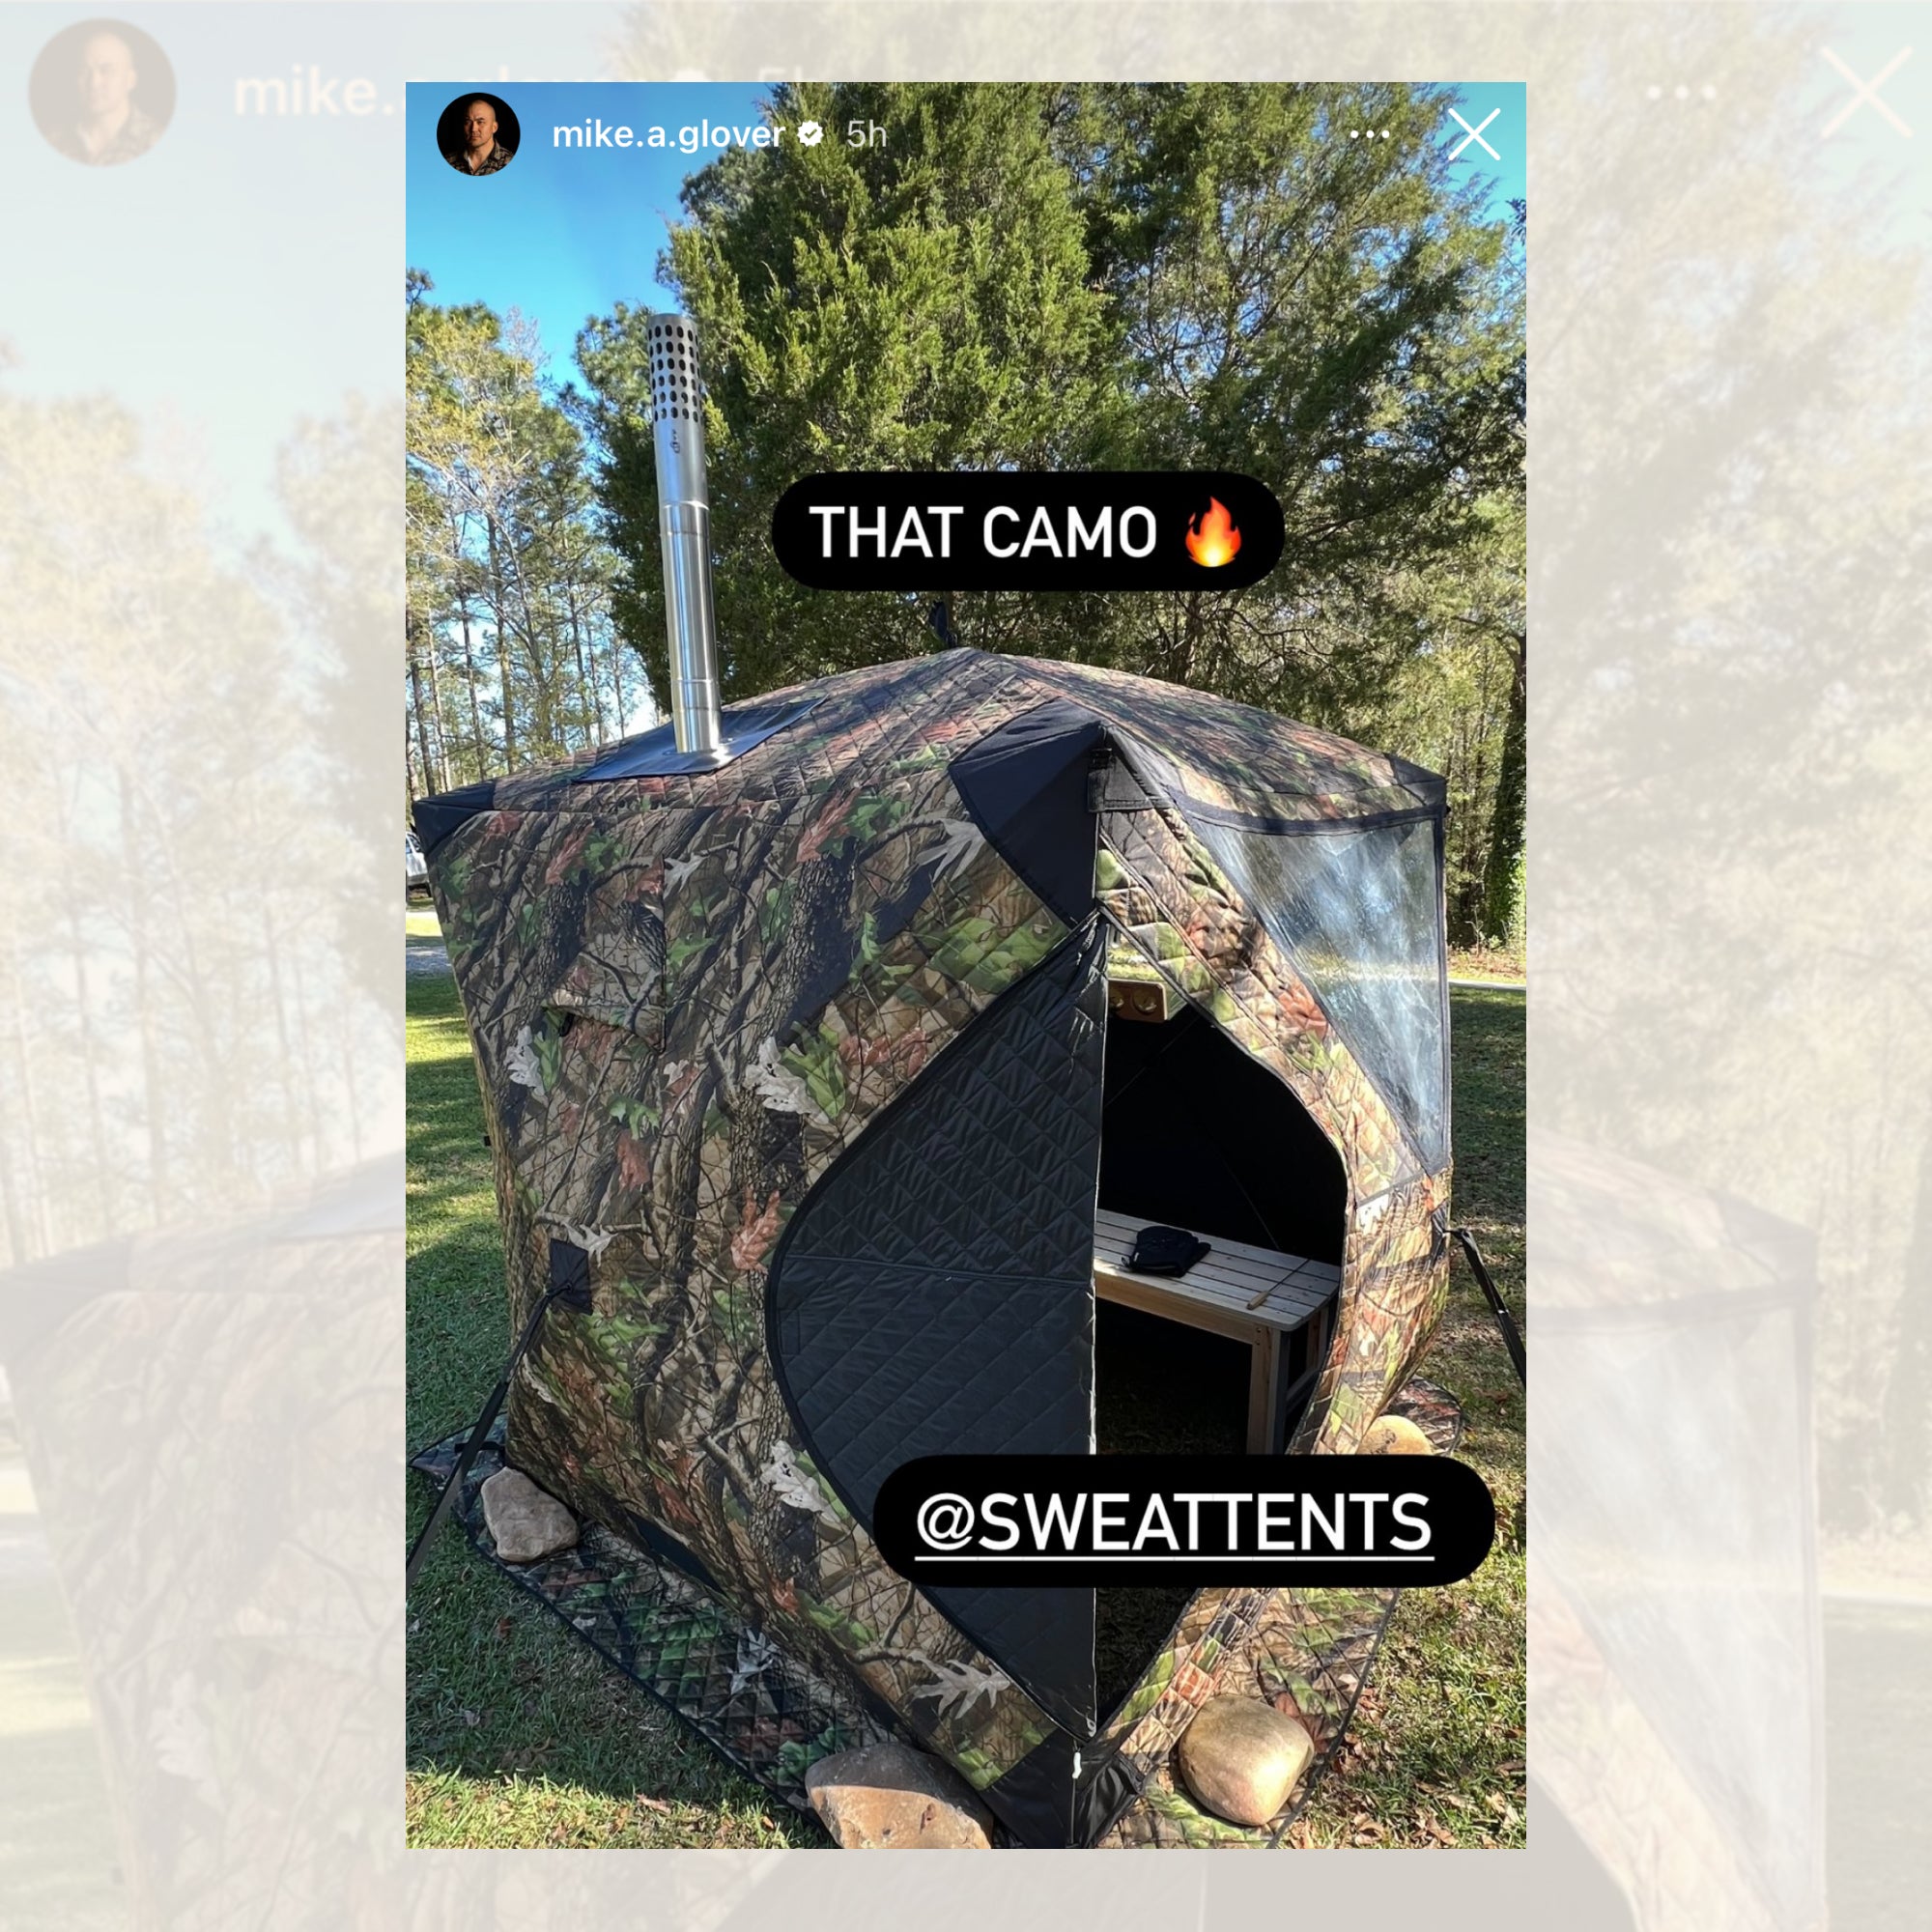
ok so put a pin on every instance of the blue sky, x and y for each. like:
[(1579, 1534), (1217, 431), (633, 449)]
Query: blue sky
[(566, 233), (1508, 134)]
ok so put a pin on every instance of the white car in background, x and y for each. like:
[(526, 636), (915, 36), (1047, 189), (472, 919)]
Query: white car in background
[(415, 868)]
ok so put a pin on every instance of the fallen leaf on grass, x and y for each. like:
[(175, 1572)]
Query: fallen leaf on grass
[(1367, 1831)]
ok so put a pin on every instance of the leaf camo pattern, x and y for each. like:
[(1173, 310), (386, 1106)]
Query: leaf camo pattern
[(688, 994)]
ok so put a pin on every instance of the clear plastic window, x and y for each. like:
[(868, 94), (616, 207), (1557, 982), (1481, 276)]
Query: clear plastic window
[(1360, 914)]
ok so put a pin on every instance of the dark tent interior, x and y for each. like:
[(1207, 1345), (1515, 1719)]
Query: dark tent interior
[(1195, 1133)]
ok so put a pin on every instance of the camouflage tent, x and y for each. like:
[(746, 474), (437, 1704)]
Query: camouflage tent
[(807, 1060)]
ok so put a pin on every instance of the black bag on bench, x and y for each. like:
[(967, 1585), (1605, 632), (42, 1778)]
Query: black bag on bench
[(1160, 1250)]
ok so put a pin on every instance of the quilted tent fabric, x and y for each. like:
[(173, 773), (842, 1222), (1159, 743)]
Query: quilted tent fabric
[(692, 995), (934, 1294)]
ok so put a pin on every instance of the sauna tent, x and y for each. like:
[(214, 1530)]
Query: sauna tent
[(807, 1062)]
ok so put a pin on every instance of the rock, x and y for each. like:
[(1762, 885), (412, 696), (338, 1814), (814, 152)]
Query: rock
[(885, 1798), (524, 1521), (1396, 1436), (1240, 1758)]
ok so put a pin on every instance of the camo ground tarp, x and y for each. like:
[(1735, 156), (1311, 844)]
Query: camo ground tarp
[(772, 1719), (692, 995)]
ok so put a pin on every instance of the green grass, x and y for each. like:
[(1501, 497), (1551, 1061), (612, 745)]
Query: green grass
[(519, 1737), (1435, 1752)]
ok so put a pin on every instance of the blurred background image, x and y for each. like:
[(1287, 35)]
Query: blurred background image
[(207, 643)]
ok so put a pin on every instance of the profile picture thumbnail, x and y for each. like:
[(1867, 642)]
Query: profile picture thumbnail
[(103, 92), (477, 133)]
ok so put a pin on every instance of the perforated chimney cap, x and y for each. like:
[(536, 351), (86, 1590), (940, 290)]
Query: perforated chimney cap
[(674, 387)]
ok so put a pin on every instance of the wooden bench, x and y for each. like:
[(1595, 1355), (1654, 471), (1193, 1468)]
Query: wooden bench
[(1280, 1305)]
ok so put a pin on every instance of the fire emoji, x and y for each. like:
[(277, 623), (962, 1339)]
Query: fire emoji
[(1212, 537)]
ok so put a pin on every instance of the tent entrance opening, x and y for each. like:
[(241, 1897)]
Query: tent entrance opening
[(1198, 1135), (1195, 1134)]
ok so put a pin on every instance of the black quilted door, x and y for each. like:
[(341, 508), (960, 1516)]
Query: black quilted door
[(935, 1294)]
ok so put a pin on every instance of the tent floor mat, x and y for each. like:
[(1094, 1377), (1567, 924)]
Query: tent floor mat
[(1312, 1648), (668, 1635), (772, 1719)]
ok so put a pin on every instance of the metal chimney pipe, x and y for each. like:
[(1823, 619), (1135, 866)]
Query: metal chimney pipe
[(684, 537)]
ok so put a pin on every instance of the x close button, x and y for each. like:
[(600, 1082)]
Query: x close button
[(1865, 94), (1475, 134)]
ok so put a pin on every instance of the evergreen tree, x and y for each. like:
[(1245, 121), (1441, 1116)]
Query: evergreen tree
[(510, 579)]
